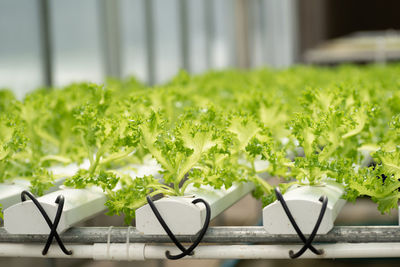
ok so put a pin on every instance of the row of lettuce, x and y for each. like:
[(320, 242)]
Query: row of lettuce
[(311, 124)]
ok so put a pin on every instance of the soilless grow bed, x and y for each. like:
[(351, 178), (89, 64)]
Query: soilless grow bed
[(318, 132)]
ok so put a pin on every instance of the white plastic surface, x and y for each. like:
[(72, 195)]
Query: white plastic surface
[(10, 193), (80, 204), (185, 218), (141, 251), (304, 204)]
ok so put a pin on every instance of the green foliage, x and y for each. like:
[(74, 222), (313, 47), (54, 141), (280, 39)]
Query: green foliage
[(303, 125)]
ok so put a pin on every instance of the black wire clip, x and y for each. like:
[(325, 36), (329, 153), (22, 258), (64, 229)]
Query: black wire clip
[(190, 250), (307, 242), (52, 225)]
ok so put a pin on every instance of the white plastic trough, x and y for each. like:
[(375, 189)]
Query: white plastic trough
[(79, 205), (10, 193), (182, 216), (185, 218), (304, 204)]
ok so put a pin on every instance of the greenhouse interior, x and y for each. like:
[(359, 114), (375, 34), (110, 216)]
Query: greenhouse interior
[(225, 133)]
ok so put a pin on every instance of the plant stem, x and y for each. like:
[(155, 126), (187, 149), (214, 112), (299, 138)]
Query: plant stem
[(185, 185), (57, 158), (266, 186), (89, 151), (262, 171), (166, 190), (117, 156), (177, 189), (98, 155)]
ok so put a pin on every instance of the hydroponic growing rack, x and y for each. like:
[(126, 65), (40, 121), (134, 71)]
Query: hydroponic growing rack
[(251, 242), (303, 141)]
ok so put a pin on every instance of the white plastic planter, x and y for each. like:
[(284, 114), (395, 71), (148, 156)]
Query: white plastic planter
[(182, 216), (304, 204), (10, 193), (79, 205)]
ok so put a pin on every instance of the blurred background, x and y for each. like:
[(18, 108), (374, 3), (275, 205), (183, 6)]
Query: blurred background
[(56, 42)]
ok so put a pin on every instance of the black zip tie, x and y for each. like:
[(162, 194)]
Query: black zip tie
[(307, 242), (53, 226), (190, 250)]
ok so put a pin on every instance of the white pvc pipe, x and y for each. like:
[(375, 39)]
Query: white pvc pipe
[(338, 250), (97, 251), (35, 250), (140, 251)]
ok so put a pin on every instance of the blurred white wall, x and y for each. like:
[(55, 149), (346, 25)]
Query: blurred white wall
[(20, 47), (150, 39)]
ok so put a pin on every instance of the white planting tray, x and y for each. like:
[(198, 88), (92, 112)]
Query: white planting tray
[(11, 193), (79, 205), (182, 216), (304, 204)]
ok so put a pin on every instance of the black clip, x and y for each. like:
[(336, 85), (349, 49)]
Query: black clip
[(53, 226), (307, 242), (185, 251)]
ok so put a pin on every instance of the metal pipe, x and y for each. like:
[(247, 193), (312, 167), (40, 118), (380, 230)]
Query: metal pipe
[(243, 33), (150, 43), (233, 234), (141, 251), (184, 34), (46, 46), (111, 37), (209, 21)]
